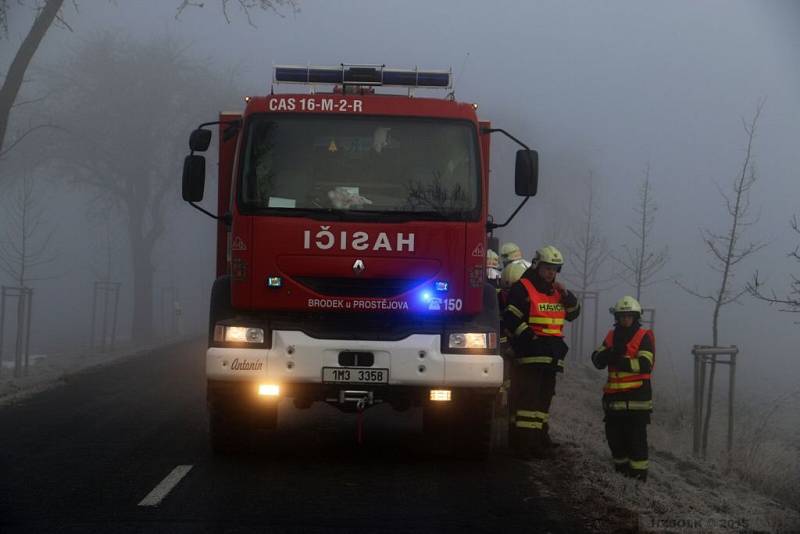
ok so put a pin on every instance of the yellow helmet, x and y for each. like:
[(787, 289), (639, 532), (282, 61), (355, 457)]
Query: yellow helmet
[(513, 272), (549, 254), (510, 252), (492, 260), (627, 304)]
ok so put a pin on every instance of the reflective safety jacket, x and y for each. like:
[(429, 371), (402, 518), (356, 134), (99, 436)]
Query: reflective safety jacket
[(534, 318), (546, 315), (630, 357)]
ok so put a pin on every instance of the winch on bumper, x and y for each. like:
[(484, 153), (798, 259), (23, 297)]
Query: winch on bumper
[(348, 372)]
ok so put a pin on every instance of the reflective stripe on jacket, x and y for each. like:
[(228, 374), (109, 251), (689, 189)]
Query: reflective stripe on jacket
[(619, 381), (547, 314)]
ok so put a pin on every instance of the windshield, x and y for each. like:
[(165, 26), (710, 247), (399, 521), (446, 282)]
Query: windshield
[(370, 164)]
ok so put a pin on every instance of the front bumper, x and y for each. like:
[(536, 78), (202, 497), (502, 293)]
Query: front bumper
[(296, 358)]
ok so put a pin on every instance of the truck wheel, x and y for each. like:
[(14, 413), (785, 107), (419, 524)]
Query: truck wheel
[(473, 434), (226, 432), (437, 425)]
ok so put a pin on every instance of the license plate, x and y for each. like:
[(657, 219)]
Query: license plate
[(354, 375)]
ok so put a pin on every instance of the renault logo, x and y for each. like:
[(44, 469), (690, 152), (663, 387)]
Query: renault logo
[(358, 267)]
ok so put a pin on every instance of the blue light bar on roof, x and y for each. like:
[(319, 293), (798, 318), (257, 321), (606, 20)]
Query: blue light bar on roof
[(362, 75)]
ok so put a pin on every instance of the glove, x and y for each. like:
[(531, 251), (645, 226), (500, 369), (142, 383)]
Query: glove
[(600, 359), (614, 357), (569, 299)]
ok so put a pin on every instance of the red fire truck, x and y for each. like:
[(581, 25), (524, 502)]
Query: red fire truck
[(351, 239)]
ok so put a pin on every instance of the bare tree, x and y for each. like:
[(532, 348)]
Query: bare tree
[(128, 106), (726, 249), (49, 12), (790, 302), (27, 244), (640, 263), (588, 250), (26, 248), (245, 6)]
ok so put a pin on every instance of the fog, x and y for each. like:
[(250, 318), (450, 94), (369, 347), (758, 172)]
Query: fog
[(600, 88)]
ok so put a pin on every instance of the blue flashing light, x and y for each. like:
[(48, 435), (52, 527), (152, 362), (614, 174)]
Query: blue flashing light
[(362, 75), (426, 296), (441, 285)]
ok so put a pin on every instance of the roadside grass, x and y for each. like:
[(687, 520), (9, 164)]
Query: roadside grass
[(758, 492)]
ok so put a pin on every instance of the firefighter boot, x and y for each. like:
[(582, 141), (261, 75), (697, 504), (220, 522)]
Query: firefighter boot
[(520, 442), (549, 443), (538, 446), (622, 467), (640, 475)]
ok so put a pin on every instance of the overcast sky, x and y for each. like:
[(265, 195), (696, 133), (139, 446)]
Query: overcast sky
[(600, 86)]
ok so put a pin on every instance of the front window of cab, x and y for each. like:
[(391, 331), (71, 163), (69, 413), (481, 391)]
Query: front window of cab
[(357, 166)]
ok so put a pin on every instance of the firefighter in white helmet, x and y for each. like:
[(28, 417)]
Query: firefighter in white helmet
[(493, 268), (535, 314), (629, 353), (511, 252), (511, 273)]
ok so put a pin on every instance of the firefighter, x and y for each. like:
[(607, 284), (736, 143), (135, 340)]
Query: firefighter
[(511, 252), (534, 317), (511, 273), (629, 353), (493, 268)]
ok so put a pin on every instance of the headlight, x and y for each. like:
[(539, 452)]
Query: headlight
[(473, 340), (238, 334)]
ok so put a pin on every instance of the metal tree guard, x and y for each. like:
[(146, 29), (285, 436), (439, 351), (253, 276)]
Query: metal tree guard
[(104, 291), (704, 356), (24, 296)]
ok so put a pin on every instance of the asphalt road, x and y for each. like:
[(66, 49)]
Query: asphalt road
[(84, 456)]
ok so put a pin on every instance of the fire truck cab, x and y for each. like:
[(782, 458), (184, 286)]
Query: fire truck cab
[(351, 249)]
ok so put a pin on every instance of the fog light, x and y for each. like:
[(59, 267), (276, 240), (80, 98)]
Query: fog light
[(440, 395), (269, 390), (274, 281)]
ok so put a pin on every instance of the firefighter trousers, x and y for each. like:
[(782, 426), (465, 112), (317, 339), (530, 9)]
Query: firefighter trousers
[(532, 390), (627, 439)]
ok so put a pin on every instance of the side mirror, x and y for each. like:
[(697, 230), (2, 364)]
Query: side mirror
[(194, 177), (199, 140), (526, 173)]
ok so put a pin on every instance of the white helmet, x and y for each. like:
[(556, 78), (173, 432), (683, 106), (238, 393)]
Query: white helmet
[(627, 304), (549, 254), (510, 252), (513, 272)]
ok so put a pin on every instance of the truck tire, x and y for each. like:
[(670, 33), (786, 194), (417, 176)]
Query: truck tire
[(234, 424), (464, 428), (227, 430), (474, 433)]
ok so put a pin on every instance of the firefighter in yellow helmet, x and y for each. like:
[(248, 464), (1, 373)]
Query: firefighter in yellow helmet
[(629, 353), (535, 314), (493, 268), (511, 273), (510, 252)]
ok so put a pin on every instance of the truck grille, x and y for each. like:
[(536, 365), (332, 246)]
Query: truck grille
[(358, 287)]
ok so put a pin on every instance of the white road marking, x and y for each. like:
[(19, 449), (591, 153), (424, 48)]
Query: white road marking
[(165, 486)]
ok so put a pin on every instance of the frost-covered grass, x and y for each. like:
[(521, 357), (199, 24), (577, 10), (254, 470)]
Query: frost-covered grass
[(48, 370), (682, 493)]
